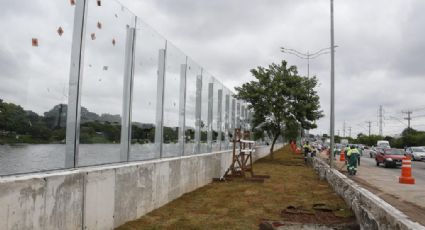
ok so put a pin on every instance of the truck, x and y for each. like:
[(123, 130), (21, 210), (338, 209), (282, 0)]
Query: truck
[(383, 144), (344, 142)]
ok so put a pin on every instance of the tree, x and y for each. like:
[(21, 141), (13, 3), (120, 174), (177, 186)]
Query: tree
[(283, 101)]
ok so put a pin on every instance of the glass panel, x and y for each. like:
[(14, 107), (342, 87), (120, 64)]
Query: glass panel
[(35, 53), (207, 80), (148, 44), (192, 76), (102, 90), (174, 61), (226, 119)]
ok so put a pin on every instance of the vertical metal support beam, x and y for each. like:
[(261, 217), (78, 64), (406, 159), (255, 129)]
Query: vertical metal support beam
[(160, 100), (238, 115), (210, 116), (198, 113), (226, 121), (242, 117), (233, 116), (75, 84), (127, 94), (182, 107), (219, 117), (332, 121)]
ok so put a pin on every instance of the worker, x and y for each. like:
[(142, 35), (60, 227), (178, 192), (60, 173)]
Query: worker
[(307, 149), (352, 155), (360, 153)]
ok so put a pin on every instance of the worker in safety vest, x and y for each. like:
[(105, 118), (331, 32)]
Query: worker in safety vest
[(307, 149), (352, 155)]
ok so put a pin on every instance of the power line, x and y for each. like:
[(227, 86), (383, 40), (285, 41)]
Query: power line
[(408, 118)]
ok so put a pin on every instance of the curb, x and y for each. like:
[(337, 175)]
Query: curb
[(371, 211)]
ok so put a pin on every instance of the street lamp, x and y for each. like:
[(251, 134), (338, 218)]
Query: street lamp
[(307, 55)]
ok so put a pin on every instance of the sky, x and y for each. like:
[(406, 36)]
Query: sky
[(379, 59)]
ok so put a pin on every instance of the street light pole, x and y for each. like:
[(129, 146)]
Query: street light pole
[(332, 121), (307, 55)]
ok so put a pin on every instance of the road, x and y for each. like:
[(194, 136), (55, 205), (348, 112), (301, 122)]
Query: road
[(410, 199)]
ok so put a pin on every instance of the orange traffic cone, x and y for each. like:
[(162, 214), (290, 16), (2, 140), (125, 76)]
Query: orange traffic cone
[(406, 172), (342, 156)]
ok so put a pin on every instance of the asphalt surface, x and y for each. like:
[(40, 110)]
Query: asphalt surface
[(418, 168)]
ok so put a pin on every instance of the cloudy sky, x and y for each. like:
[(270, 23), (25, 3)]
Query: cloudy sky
[(379, 60)]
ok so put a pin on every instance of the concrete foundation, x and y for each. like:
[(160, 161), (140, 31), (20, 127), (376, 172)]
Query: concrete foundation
[(371, 211), (105, 197)]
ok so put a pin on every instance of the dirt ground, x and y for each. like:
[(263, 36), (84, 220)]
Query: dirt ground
[(293, 193)]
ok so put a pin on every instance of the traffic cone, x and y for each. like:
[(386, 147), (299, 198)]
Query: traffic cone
[(342, 156), (406, 172)]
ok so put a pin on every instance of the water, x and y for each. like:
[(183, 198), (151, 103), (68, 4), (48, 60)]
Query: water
[(25, 158)]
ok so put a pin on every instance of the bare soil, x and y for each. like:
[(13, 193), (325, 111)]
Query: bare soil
[(293, 193)]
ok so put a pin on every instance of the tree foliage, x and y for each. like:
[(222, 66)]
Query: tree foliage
[(283, 101)]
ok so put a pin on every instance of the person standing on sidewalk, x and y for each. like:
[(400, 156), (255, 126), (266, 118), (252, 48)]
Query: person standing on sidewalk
[(307, 149), (352, 155)]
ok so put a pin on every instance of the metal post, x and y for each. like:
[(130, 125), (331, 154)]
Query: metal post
[(233, 115), (75, 84), (160, 100), (210, 116), (238, 115), (226, 121), (127, 94), (308, 64), (182, 108), (332, 86), (198, 113), (219, 117)]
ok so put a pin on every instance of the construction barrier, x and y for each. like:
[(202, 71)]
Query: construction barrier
[(406, 172)]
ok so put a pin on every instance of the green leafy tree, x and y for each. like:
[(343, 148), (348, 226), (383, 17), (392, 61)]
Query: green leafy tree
[(283, 101)]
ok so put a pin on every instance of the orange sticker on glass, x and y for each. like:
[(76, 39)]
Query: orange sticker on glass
[(34, 42), (72, 2), (60, 31)]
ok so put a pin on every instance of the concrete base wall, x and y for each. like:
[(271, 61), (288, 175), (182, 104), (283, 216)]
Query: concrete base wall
[(105, 197), (371, 211)]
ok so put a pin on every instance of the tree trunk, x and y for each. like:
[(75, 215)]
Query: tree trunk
[(274, 141)]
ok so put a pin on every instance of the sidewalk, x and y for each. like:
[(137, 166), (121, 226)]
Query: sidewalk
[(294, 193)]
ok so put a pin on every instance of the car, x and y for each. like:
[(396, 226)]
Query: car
[(416, 153), (375, 150), (390, 157)]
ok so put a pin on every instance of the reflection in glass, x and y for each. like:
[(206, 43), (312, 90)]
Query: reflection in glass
[(102, 87), (193, 80), (35, 52), (175, 61), (148, 44)]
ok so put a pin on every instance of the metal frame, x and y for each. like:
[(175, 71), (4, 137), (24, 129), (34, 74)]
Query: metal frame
[(127, 94), (160, 100), (75, 84), (210, 115), (198, 110), (233, 115), (226, 120), (238, 115), (219, 116), (182, 107)]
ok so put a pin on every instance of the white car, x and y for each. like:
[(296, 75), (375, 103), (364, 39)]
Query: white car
[(416, 153)]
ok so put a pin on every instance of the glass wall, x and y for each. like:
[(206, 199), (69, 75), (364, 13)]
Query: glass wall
[(35, 51), (102, 87), (131, 95), (173, 92), (145, 89), (192, 107)]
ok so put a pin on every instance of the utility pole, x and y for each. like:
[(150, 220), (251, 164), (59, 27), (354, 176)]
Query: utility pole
[(332, 85), (343, 129), (380, 120), (408, 118), (369, 124), (338, 132), (349, 131)]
